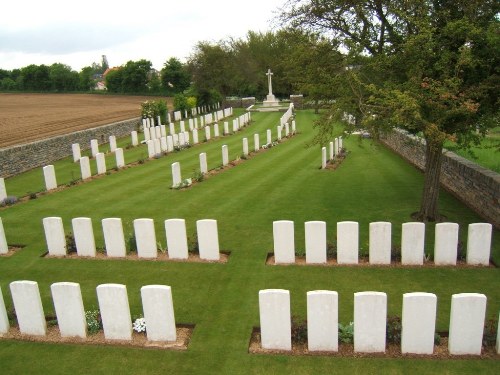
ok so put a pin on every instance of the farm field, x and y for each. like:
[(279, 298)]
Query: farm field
[(221, 300), (28, 117)]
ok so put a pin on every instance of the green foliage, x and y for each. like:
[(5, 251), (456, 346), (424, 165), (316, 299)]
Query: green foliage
[(175, 77), (299, 330), (132, 244), (197, 176), (154, 108), (346, 333), (490, 332), (93, 318), (181, 103), (393, 330), (70, 243)]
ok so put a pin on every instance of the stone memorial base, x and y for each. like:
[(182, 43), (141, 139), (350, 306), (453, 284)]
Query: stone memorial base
[(271, 101)]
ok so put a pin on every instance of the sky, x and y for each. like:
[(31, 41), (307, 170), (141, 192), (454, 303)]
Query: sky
[(79, 33)]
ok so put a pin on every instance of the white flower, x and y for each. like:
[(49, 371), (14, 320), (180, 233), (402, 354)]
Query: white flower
[(139, 325)]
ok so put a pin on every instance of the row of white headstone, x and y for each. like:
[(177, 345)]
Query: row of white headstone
[(466, 326), (287, 115), (335, 149), (114, 307), (176, 167), (145, 237), (207, 119), (412, 243)]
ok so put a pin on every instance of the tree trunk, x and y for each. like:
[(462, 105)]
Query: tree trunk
[(429, 204), (316, 106)]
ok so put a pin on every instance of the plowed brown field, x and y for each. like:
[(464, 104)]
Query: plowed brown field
[(28, 117)]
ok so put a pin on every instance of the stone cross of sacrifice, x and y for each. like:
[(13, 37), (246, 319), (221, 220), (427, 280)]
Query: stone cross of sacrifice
[(269, 74)]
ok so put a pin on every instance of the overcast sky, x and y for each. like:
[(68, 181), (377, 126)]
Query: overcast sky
[(78, 33)]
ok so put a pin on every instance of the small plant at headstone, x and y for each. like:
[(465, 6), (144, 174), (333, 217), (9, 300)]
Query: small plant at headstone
[(51, 322), (393, 328), (160, 248), (346, 333), (396, 253), (193, 247), (9, 201), (32, 195), (70, 243), (331, 250), (437, 338), (116, 169), (140, 161), (139, 325), (299, 330), (93, 318), (461, 251), (243, 156), (132, 244), (197, 176), (490, 332)]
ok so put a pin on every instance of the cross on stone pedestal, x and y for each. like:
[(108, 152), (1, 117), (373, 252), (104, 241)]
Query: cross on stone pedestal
[(269, 82)]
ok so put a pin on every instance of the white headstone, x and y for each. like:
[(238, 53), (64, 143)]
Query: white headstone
[(4, 248), (84, 236), (94, 147), (182, 139), (112, 143), (336, 146), (49, 175), (171, 128), (3, 190), (235, 126), (163, 144), (332, 151), (70, 313), (203, 163), (418, 323), (101, 163), (85, 167), (135, 138), (163, 131), (158, 309), (245, 146), (157, 146), (176, 174), (151, 149), (77, 154), (147, 134), (380, 242), (4, 319), (191, 124), (412, 243), (113, 237), (225, 155), (467, 316), (322, 320), (287, 129), (177, 245), (256, 142), (120, 159), (226, 128), (284, 242), (315, 236), (182, 126), (195, 136), (269, 138), (28, 306), (275, 323), (208, 239), (195, 123), (158, 132), (152, 134), (115, 311), (278, 132), (445, 245), (145, 238), (294, 127), (169, 119), (54, 235), (347, 242), (370, 315), (170, 143), (479, 244), (207, 133), (216, 130), (323, 157)]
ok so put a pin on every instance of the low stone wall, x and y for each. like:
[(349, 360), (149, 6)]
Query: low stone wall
[(477, 187), (18, 159)]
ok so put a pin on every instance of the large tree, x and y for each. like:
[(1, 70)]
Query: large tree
[(175, 77), (428, 66)]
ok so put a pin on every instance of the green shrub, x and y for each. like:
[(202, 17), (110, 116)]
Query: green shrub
[(393, 330), (299, 330), (70, 243), (346, 333), (93, 318)]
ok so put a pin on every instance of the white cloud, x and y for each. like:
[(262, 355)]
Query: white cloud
[(45, 32)]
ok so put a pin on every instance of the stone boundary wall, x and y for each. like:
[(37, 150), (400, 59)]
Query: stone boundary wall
[(20, 158), (475, 186)]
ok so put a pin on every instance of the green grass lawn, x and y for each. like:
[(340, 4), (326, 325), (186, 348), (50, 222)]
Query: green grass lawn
[(283, 183)]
